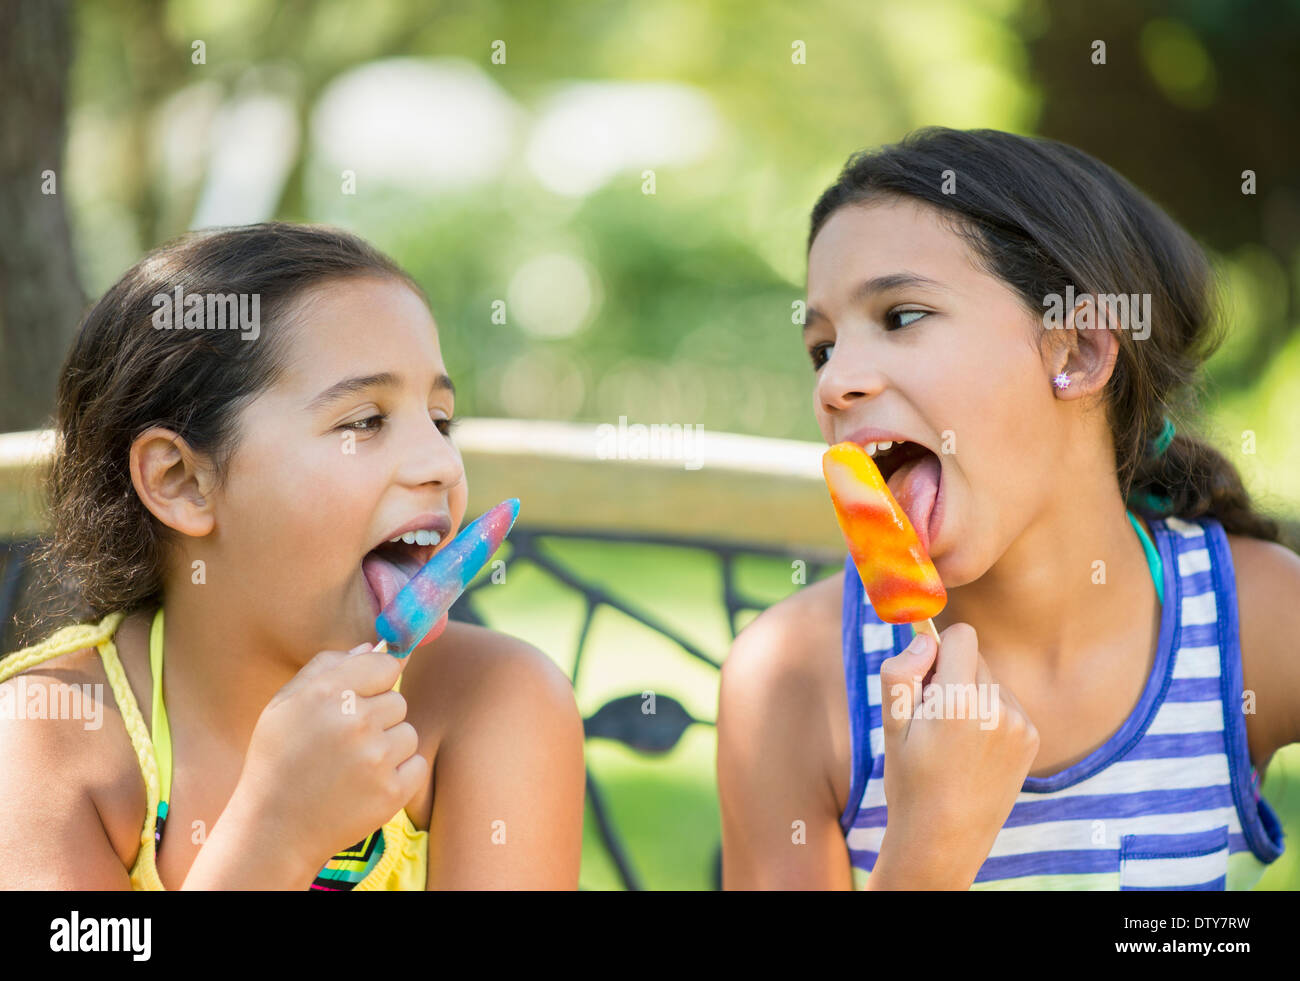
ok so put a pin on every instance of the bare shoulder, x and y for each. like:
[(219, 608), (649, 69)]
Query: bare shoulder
[(1268, 612), (795, 639), (784, 672), (68, 773), (510, 754), (783, 746), (472, 671)]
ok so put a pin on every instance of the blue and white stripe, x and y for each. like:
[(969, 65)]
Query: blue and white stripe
[(1168, 802)]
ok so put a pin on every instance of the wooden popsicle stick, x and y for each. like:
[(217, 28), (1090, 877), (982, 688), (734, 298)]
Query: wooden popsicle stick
[(926, 627)]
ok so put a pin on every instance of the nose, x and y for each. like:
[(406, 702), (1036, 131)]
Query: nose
[(850, 375), (430, 457)]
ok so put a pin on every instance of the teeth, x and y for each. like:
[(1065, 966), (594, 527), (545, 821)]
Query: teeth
[(879, 447), (422, 537)]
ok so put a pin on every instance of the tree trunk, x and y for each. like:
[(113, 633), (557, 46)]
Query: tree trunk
[(41, 301)]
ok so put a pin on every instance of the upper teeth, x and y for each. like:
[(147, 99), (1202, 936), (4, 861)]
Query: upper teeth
[(421, 537), (871, 448)]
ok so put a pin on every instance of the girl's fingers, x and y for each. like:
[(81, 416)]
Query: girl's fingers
[(957, 663), (387, 709), (900, 677), (368, 673)]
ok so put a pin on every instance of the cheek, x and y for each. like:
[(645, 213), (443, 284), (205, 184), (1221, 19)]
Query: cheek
[(284, 493), (823, 419), (1009, 427), (458, 500)]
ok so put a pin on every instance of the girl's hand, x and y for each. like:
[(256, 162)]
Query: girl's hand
[(331, 758), (950, 782)]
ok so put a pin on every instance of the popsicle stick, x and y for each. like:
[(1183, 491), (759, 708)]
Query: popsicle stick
[(926, 627)]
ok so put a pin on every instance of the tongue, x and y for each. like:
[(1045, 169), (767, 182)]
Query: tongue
[(386, 578), (915, 485)]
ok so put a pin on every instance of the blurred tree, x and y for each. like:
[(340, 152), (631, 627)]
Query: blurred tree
[(41, 299), (1191, 94)]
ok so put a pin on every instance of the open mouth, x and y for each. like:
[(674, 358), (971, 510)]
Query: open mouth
[(913, 475), (388, 567)]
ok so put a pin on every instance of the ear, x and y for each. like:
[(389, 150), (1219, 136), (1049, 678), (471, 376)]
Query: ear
[(1085, 349), (173, 481)]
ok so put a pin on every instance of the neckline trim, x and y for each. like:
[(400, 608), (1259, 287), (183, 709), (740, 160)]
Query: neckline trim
[(159, 731), (160, 737), (1153, 693)]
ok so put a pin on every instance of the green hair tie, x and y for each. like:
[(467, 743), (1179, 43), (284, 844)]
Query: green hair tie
[(1161, 442), (1150, 502)]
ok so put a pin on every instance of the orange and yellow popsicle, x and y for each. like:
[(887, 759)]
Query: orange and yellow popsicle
[(896, 572)]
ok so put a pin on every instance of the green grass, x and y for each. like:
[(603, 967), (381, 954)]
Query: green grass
[(665, 807)]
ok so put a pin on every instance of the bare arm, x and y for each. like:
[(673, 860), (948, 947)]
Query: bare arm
[(780, 816), (1268, 607), (509, 779)]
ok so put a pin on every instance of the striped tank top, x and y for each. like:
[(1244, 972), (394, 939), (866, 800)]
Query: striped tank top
[(1170, 801)]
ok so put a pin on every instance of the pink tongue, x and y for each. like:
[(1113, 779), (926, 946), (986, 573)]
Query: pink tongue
[(386, 579), (915, 485)]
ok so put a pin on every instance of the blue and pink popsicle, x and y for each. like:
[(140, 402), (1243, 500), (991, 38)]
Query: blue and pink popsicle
[(420, 604)]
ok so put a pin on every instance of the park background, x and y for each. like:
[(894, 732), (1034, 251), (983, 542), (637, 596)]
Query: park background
[(508, 151)]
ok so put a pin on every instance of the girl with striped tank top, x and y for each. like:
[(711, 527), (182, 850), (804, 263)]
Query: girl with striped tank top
[(1117, 660), (233, 508)]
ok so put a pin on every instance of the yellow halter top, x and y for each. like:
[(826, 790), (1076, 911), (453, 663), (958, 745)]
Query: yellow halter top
[(394, 857)]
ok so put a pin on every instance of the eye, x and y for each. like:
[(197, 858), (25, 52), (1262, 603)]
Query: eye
[(445, 426), (364, 425), (820, 354), (896, 316)]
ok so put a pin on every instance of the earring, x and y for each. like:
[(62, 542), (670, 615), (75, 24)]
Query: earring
[(1061, 381)]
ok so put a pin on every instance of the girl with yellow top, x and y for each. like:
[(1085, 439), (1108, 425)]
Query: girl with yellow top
[(234, 476)]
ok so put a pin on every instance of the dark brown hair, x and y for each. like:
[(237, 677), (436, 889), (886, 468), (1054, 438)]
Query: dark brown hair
[(123, 375), (1041, 216)]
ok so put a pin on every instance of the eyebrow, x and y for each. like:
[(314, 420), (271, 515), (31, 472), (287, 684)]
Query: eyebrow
[(359, 383), (879, 284)]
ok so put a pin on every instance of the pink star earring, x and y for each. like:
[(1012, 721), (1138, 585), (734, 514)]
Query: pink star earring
[(1061, 381)]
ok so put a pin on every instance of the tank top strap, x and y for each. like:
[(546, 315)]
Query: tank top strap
[(74, 637), (866, 640), (1209, 625), (161, 731), (101, 636)]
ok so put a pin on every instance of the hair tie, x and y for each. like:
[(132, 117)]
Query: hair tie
[(1152, 502), (1161, 442)]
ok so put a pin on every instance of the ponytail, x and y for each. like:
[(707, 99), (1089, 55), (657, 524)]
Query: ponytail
[(1190, 479)]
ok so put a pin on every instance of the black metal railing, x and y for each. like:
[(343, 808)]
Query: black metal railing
[(622, 719)]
